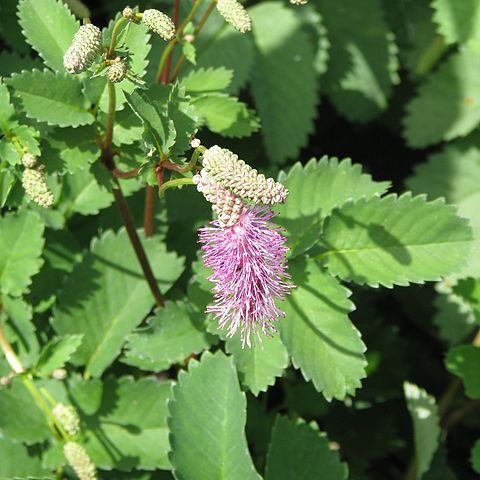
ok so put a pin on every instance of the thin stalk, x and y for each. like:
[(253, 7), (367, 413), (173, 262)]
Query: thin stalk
[(26, 379), (197, 30), (430, 56), (166, 71), (149, 211), (107, 159), (136, 243), (175, 183), (116, 31), (172, 43)]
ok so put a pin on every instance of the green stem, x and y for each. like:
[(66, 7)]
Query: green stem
[(116, 31), (110, 117), (430, 56), (175, 183), (172, 43), (18, 368), (197, 30)]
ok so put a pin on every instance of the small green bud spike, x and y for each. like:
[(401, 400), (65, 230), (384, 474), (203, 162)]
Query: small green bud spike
[(85, 47), (77, 457), (225, 168), (35, 185), (159, 23), (225, 204), (29, 160), (68, 418), (235, 14), (117, 71)]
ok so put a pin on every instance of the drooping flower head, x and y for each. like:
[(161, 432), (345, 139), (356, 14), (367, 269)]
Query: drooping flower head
[(235, 14), (78, 458), (249, 272), (159, 23), (35, 185), (85, 47)]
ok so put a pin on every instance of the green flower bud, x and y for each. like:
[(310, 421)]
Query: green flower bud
[(225, 168), (77, 457), (225, 204), (159, 23), (35, 186), (117, 71), (29, 160), (83, 51), (235, 14), (68, 418)]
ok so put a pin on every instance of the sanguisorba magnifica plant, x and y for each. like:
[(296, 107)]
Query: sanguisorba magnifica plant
[(133, 326)]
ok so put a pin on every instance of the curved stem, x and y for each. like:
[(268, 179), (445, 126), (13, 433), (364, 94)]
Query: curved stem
[(197, 30), (115, 32), (18, 368), (172, 43), (175, 183)]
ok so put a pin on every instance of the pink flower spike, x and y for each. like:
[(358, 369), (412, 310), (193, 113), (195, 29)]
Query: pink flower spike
[(249, 272)]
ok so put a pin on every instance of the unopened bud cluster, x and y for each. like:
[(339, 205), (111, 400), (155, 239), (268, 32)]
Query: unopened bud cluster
[(117, 71), (68, 418), (77, 457), (85, 47), (29, 160), (234, 174), (159, 23), (299, 2), (129, 13), (34, 183), (226, 182), (225, 204), (235, 14)]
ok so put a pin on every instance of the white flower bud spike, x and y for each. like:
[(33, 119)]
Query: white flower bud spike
[(235, 14), (117, 71), (159, 23), (86, 45), (77, 457), (68, 418), (35, 185)]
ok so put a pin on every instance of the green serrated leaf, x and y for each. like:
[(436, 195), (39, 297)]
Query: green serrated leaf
[(260, 365), (318, 334), (17, 461), (207, 80), (133, 417), (219, 47), (454, 173), (468, 289), (283, 67), (155, 121), (49, 28), (475, 456), (72, 149), (175, 332), (82, 194), (298, 450), (464, 361), (20, 330), (107, 295), (211, 427), (54, 98), (25, 422), (458, 22), (225, 115), (21, 244), (395, 240), (6, 108), (426, 430), (56, 353), (447, 105), (13, 62), (314, 191), (363, 66)]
